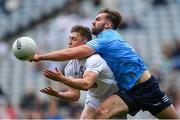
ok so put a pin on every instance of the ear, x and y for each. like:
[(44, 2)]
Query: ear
[(85, 41), (108, 25)]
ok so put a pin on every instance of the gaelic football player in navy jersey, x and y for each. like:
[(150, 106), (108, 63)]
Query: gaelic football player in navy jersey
[(139, 90)]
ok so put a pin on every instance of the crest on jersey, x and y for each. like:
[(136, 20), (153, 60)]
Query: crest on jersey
[(81, 70)]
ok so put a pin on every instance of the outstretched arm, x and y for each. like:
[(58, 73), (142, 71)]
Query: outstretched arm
[(79, 52), (69, 95), (88, 80)]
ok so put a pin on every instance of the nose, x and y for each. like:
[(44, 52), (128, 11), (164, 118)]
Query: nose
[(70, 42), (93, 23)]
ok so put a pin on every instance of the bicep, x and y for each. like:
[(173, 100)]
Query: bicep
[(90, 77)]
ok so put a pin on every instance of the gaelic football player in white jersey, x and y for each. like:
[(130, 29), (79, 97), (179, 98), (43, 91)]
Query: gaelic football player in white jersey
[(91, 74)]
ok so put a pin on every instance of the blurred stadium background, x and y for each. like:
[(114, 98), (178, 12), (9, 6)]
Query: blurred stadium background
[(151, 26)]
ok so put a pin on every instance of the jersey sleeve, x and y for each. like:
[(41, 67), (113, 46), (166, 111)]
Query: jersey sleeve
[(95, 64), (96, 44)]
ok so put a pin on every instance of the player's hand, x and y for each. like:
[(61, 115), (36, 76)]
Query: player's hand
[(53, 75), (50, 91), (36, 58)]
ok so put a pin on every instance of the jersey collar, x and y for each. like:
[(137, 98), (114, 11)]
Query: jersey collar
[(104, 32)]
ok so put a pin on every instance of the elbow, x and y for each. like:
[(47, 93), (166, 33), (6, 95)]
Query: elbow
[(86, 87), (76, 98)]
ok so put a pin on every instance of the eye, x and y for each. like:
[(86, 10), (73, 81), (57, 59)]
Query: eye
[(98, 19), (74, 39)]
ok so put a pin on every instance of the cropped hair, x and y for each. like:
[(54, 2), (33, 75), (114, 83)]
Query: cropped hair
[(114, 16), (84, 31)]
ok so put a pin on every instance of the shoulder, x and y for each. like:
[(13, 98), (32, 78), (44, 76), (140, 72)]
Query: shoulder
[(95, 63), (97, 41), (95, 57), (95, 60)]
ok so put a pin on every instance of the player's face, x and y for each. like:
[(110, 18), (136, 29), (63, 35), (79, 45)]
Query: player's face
[(99, 24), (75, 39)]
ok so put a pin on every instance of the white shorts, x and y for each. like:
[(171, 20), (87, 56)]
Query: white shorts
[(92, 102)]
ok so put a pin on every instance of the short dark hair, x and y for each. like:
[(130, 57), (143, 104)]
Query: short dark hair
[(84, 31), (114, 16)]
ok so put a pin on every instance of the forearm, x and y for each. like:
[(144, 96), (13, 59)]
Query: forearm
[(80, 83), (67, 96), (59, 55), (68, 54)]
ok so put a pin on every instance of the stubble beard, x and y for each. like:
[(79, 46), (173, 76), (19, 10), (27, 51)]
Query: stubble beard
[(96, 31)]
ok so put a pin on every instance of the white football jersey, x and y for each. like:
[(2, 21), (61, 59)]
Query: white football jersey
[(105, 85)]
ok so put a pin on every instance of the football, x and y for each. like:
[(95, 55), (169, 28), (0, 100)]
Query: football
[(24, 48)]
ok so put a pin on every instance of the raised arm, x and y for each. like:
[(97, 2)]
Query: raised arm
[(69, 95), (81, 51), (88, 80)]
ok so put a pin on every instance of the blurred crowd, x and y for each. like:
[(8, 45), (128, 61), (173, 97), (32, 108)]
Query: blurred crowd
[(170, 70), (31, 106), (9, 6)]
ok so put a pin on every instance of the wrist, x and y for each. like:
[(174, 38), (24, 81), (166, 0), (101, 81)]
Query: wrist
[(63, 78), (42, 57)]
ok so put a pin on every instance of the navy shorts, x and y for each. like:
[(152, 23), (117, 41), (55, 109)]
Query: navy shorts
[(146, 96)]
